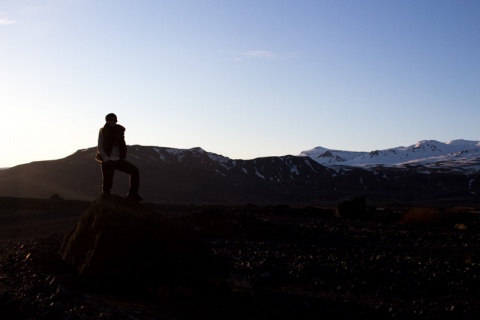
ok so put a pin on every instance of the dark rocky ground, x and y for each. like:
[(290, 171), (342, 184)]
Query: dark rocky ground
[(287, 263)]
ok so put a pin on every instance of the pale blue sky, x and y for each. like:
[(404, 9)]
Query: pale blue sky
[(242, 78)]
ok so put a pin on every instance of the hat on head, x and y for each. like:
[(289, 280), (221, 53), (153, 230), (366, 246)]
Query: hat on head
[(110, 115)]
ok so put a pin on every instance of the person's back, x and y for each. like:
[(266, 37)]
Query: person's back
[(112, 153)]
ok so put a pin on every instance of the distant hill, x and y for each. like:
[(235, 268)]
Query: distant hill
[(170, 175)]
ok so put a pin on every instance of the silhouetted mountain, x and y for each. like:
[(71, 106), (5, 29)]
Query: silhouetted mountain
[(171, 175)]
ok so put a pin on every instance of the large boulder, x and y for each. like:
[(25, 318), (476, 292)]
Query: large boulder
[(121, 244)]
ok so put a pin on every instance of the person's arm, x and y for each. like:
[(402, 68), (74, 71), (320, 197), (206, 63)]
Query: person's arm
[(100, 148)]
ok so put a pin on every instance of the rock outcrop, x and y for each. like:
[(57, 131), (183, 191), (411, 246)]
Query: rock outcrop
[(120, 244)]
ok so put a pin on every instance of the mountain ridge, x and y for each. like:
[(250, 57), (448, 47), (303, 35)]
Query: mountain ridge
[(170, 175)]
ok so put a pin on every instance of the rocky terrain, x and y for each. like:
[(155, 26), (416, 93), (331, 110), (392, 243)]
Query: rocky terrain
[(285, 262)]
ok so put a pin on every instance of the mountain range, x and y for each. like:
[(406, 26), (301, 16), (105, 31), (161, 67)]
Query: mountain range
[(455, 154), (426, 171)]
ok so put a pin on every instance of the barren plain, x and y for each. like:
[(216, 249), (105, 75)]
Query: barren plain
[(286, 263)]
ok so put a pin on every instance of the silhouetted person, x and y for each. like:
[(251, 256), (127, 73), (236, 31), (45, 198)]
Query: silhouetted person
[(111, 153)]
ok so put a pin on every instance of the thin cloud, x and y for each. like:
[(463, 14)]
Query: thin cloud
[(259, 54), (4, 21)]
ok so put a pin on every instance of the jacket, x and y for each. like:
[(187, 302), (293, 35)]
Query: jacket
[(108, 137)]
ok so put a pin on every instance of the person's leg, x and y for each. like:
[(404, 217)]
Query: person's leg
[(132, 170), (108, 170)]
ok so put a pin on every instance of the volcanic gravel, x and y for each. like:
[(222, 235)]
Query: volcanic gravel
[(285, 264)]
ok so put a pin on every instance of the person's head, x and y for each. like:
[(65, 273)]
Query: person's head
[(111, 119)]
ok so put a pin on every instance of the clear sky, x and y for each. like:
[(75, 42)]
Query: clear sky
[(241, 78)]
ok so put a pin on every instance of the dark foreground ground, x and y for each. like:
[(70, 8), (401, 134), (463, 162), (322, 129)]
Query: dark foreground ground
[(286, 263)]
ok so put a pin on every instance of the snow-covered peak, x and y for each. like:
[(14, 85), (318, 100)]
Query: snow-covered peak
[(428, 144), (423, 152), (463, 142), (316, 150), (325, 156)]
